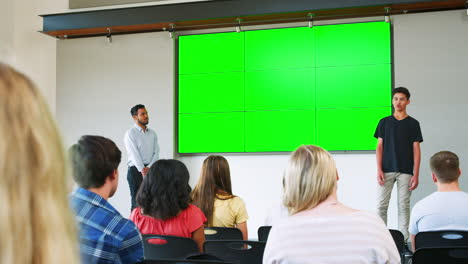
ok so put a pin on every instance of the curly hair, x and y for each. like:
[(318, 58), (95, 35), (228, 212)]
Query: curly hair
[(165, 190)]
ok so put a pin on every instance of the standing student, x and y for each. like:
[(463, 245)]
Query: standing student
[(398, 158), (36, 222), (105, 236), (142, 149), (213, 194)]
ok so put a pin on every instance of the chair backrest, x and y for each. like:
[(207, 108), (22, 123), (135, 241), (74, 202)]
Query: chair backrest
[(184, 261), (168, 247), (222, 233), (246, 252), (439, 239), (263, 233), (399, 240), (441, 256)]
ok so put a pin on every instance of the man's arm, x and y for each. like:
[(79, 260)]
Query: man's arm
[(379, 156), (133, 153), (412, 242), (417, 162), (131, 249), (155, 156)]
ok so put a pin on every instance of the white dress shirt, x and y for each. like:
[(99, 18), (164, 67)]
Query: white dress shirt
[(142, 147)]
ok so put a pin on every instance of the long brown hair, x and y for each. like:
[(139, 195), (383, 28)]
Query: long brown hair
[(36, 223), (215, 179)]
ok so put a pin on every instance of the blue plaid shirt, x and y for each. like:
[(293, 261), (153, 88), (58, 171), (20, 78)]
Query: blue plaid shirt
[(105, 236)]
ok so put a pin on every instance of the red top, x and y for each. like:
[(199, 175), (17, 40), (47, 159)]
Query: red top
[(182, 225)]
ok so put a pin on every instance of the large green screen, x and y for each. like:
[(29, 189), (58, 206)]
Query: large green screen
[(274, 90)]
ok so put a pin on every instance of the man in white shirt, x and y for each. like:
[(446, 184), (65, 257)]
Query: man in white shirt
[(441, 210), (142, 149)]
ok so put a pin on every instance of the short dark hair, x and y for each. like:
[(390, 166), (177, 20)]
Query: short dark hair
[(446, 166), (402, 90), (165, 190), (93, 159), (134, 110)]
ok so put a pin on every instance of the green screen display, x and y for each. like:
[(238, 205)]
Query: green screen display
[(274, 90)]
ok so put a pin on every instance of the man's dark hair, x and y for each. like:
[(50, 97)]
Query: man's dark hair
[(402, 90), (134, 110), (445, 165), (165, 190), (93, 159)]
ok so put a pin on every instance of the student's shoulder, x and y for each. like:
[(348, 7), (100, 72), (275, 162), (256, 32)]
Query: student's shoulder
[(127, 227), (413, 120), (130, 131), (192, 209), (385, 119), (426, 202)]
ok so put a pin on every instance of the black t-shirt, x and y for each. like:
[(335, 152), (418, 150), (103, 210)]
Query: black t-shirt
[(398, 138)]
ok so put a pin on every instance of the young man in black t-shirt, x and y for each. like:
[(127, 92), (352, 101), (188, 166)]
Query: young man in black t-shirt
[(398, 158)]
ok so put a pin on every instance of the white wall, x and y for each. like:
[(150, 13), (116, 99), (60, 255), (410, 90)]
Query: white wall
[(6, 32), (97, 83), (22, 46)]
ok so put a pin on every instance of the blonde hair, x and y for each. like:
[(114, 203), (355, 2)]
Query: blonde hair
[(310, 178), (36, 223)]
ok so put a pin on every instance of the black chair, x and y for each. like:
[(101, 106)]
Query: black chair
[(246, 252), (222, 233), (399, 240), (263, 233), (172, 247), (439, 239), (441, 256), (184, 261)]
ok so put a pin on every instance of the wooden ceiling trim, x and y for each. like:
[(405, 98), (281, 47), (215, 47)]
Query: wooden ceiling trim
[(395, 9)]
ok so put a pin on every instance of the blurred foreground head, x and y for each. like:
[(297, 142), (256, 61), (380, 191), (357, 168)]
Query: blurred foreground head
[(35, 220)]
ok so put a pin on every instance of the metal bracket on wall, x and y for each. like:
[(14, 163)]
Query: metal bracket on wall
[(109, 35), (171, 30), (238, 26), (311, 19), (387, 14)]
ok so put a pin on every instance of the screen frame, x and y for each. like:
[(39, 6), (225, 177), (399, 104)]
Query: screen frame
[(176, 91)]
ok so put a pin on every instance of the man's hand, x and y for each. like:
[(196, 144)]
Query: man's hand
[(413, 183), (144, 171), (380, 177)]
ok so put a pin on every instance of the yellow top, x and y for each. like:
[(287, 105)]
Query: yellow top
[(228, 213)]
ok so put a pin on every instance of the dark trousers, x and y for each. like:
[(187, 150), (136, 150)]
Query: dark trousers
[(134, 179)]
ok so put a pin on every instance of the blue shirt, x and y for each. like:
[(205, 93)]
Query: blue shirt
[(440, 211), (105, 236), (142, 147)]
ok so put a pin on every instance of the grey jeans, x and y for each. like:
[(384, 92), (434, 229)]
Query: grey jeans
[(384, 193)]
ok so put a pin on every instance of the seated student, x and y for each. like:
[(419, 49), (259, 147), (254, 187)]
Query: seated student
[(36, 222), (213, 194), (441, 210), (320, 228), (106, 237), (164, 203)]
